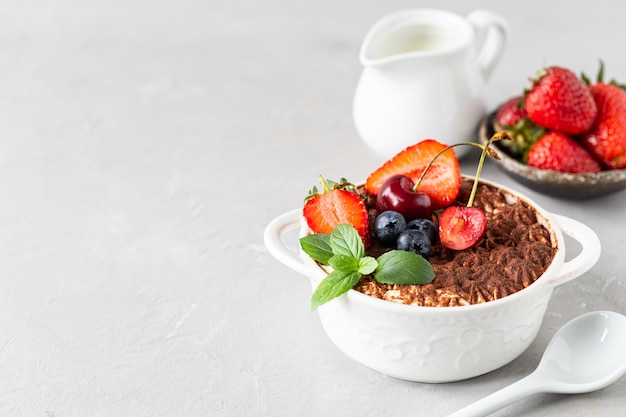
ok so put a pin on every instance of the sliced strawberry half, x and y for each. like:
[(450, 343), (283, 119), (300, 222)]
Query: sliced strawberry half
[(334, 206), (442, 182)]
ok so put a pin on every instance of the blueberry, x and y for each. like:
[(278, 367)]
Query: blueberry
[(388, 226), (426, 226), (415, 241)]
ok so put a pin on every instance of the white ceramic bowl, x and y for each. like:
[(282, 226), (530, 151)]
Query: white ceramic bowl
[(440, 344)]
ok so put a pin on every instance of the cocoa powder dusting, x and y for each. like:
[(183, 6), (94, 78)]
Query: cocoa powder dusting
[(514, 252)]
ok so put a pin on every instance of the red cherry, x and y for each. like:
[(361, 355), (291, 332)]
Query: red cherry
[(397, 194), (461, 228)]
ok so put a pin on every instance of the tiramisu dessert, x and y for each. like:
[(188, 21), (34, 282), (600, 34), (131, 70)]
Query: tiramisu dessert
[(419, 233)]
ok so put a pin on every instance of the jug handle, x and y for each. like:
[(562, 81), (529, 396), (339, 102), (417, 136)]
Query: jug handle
[(493, 29)]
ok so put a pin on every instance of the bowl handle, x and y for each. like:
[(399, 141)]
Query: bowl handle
[(273, 238), (587, 257)]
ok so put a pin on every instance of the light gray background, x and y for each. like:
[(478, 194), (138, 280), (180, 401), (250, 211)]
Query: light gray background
[(145, 145)]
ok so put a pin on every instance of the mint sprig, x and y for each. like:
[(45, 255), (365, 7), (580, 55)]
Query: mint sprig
[(344, 251)]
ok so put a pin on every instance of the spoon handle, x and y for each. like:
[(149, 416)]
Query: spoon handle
[(526, 386)]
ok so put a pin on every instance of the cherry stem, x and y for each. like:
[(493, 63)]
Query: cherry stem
[(485, 150), (496, 136), (419, 181)]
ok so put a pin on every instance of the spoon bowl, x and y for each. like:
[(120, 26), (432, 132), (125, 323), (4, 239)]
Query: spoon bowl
[(585, 355)]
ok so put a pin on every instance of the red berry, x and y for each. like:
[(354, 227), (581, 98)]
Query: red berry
[(511, 112), (442, 181), (461, 228), (335, 206), (607, 137), (512, 118), (559, 152), (559, 100), (397, 194)]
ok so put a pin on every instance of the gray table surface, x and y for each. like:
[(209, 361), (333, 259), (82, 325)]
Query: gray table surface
[(144, 147)]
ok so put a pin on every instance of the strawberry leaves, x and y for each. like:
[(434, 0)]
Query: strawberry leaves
[(328, 185), (344, 251)]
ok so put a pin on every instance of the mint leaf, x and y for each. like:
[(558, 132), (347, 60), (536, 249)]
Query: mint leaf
[(345, 240), (344, 251), (335, 284), (403, 267), (317, 246), (344, 263), (367, 265)]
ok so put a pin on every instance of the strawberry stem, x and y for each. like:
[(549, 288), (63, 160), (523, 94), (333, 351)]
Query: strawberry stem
[(325, 188)]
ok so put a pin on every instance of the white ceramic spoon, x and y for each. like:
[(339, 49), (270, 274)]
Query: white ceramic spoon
[(586, 354)]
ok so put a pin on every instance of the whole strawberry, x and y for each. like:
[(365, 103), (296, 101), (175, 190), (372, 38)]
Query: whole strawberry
[(559, 152), (512, 118), (559, 100), (607, 137), (511, 112)]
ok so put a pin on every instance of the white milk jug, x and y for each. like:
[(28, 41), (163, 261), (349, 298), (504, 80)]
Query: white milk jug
[(424, 77)]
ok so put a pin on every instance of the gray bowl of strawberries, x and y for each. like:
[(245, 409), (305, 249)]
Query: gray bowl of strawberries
[(568, 135)]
